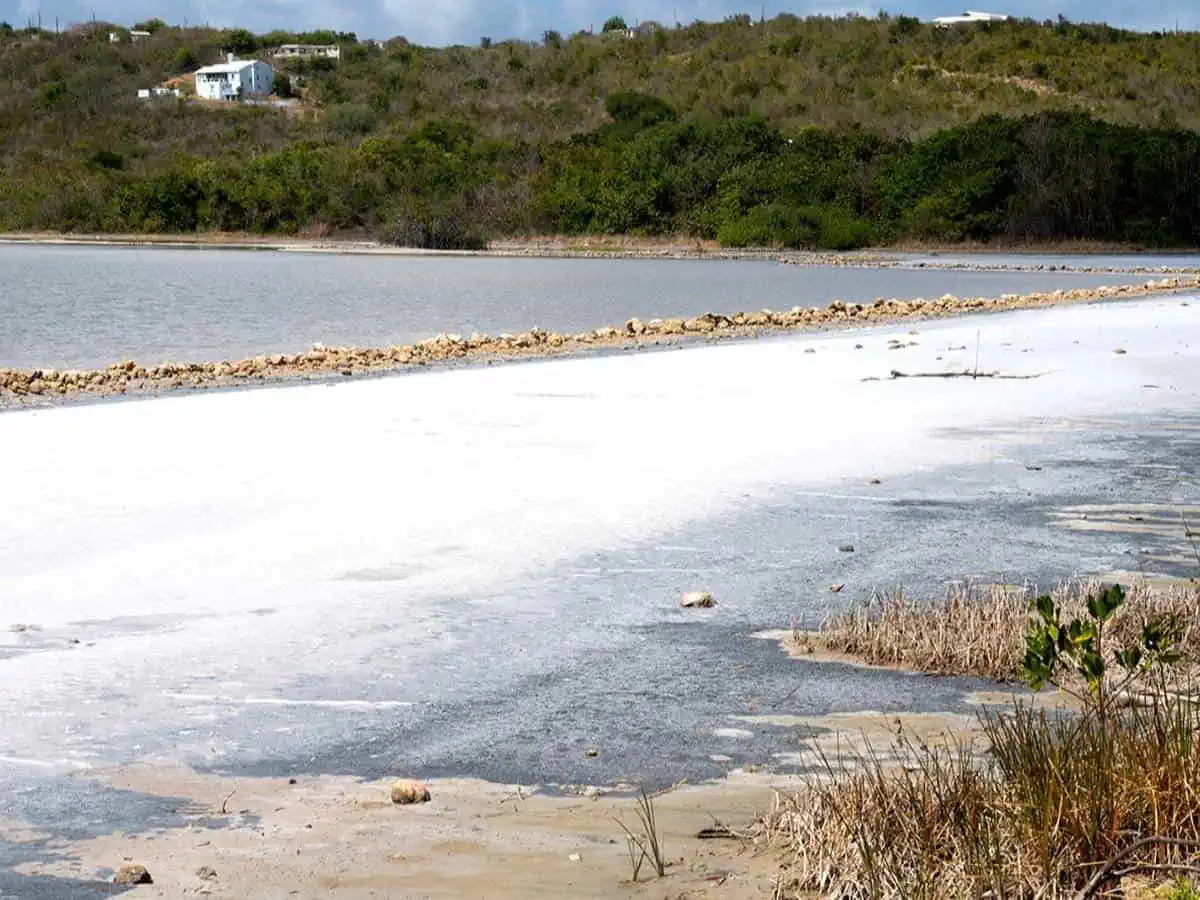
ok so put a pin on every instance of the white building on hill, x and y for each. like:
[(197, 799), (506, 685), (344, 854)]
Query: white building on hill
[(235, 79), (970, 17), (151, 93), (306, 51)]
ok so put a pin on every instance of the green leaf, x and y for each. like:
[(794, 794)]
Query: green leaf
[(1103, 605), (1092, 666), (1130, 658), (1045, 608)]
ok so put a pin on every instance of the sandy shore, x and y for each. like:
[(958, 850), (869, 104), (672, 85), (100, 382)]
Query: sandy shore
[(337, 836), (340, 837)]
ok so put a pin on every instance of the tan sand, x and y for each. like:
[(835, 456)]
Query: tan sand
[(339, 837)]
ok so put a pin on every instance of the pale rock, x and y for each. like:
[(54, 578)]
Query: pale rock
[(697, 600), (406, 791), (132, 874)]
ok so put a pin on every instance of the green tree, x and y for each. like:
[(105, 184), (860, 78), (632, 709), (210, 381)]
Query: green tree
[(241, 41), (52, 94), (321, 36), (184, 60), (107, 159), (615, 23), (637, 111)]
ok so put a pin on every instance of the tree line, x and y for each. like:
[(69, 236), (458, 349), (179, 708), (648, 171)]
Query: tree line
[(743, 181)]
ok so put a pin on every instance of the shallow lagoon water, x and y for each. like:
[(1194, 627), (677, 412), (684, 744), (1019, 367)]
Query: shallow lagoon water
[(86, 307)]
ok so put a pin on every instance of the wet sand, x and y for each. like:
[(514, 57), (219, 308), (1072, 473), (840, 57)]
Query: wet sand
[(339, 837)]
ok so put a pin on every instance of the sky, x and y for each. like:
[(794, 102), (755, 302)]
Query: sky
[(442, 22)]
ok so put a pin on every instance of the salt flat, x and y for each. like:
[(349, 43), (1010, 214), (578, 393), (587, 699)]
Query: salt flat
[(200, 577)]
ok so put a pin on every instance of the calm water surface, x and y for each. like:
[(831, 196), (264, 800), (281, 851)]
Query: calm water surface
[(76, 307)]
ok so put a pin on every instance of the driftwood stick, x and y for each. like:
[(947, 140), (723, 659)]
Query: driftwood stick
[(896, 373)]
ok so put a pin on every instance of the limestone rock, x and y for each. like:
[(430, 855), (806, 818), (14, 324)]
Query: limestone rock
[(132, 875), (697, 600), (207, 873), (405, 791)]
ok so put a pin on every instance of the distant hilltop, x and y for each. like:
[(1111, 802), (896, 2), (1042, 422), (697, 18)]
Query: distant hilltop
[(890, 74), (824, 131)]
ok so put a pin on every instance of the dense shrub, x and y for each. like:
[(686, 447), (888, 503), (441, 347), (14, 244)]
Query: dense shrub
[(740, 181), (438, 230), (808, 227)]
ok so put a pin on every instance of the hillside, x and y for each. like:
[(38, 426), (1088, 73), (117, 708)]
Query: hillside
[(509, 137)]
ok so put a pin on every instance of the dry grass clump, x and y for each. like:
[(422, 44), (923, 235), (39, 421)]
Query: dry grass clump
[(980, 629), (1053, 804), (1062, 806)]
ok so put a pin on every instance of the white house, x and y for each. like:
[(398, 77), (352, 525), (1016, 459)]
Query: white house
[(234, 80), (970, 17), (305, 51)]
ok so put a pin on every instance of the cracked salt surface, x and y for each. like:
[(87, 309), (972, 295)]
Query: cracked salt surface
[(304, 579)]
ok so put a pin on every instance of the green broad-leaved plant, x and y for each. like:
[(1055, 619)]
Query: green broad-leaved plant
[(1086, 647)]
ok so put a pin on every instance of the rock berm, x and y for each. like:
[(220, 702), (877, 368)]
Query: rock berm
[(19, 387)]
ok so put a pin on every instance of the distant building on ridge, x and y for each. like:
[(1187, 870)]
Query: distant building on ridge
[(970, 17), (151, 93), (307, 51), (115, 37)]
